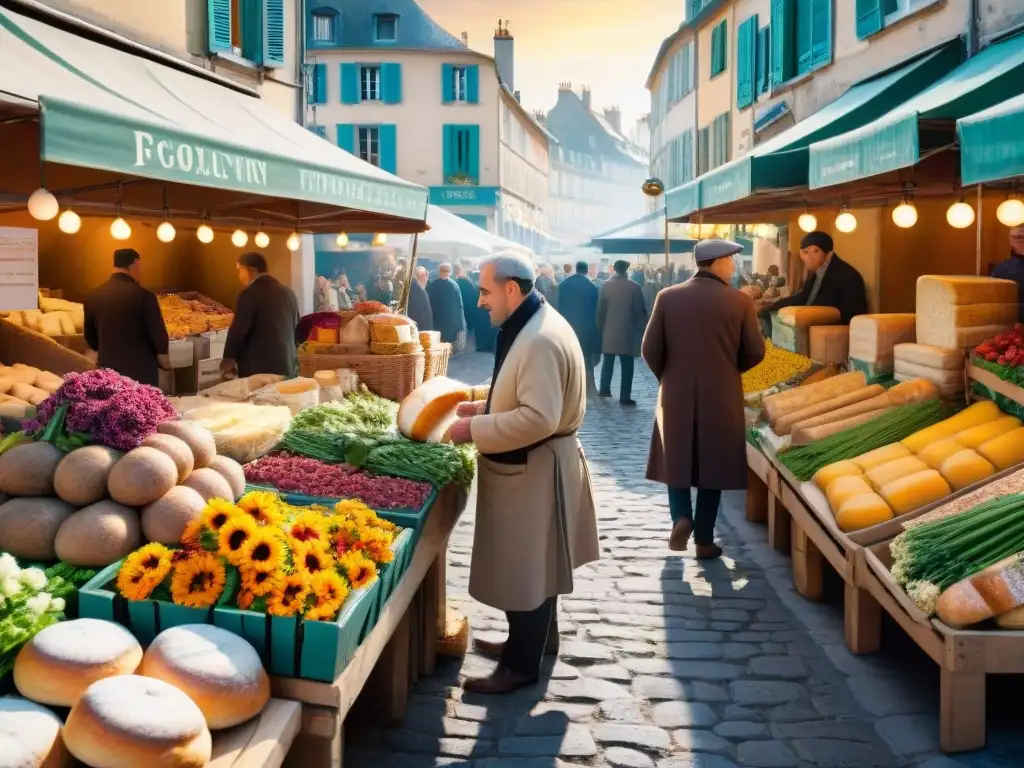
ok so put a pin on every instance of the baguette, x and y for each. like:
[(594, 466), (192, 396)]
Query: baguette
[(914, 391), (29, 394), (785, 425), (778, 405), (993, 591), (803, 435)]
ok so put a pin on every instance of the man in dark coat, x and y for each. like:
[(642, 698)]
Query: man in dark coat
[(419, 303), (261, 338), (124, 325), (470, 297), (577, 302), (621, 317), (831, 282), (702, 336), (446, 304)]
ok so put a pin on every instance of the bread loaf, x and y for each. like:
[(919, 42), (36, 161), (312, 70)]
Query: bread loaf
[(943, 315), (990, 592), (873, 337), (29, 735), (804, 317), (429, 410)]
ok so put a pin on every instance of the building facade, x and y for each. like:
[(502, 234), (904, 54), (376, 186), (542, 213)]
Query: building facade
[(673, 120), (389, 85)]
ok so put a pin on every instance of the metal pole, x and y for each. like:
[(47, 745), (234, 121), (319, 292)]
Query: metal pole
[(667, 250), (977, 245), (410, 275)]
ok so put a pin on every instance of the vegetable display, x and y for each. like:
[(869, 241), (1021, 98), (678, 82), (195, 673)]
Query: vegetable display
[(191, 314), (361, 412), (778, 366)]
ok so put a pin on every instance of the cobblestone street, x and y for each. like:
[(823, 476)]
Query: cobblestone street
[(669, 663)]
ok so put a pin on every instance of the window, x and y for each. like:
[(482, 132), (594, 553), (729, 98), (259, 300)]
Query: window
[(763, 65), (252, 29), (703, 151), (694, 7), (801, 37), (874, 15), (461, 154), (323, 27), (369, 83), (318, 85), (459, 84), (746, 62), (319, 130), (386, 27), (687, 142), (720, 140), (368, 146), (719, 48)]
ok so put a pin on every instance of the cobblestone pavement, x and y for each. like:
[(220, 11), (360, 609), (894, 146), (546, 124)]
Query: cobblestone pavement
[(672, 663)]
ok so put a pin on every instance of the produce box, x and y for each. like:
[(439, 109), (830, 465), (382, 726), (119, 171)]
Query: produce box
[(389, 577), (314, 650), (181, 353), (210, 345)]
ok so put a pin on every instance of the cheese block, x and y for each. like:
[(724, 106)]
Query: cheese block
[(979, 413), (824, 476), (966, 468), (862, 512), (843, 488), (429, 410), (958, 290), (355, 331), (1005, 451), (933, 455), (975, 437), (942, 322), (990, 592), (830, 343), (884, 474), (940, 377), (804, 317), (915, 491), (873, 337), (885, 454)]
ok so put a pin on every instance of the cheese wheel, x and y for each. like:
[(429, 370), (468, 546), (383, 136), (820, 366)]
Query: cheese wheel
[(220, 671), (429, 406), (29, 735), (130, 721), (60, 662)]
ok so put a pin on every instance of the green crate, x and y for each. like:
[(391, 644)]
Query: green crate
[(389, 578), (315, 650)]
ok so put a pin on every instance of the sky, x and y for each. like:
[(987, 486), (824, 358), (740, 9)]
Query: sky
[(606, 44)]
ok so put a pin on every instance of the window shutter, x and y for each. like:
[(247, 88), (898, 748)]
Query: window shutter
[(320, 84), (447, 83), (219, 13), (448, 153), (746, 62), (726, 137), (782, 29), (391, 83), (473, 132), (723, 55), (869, 17), (703, 150), (347, 137), (821, 32), (688, 157), (763, 58), (473, 84), (388, 137), (273, 22), (804, 35), (349, 83)]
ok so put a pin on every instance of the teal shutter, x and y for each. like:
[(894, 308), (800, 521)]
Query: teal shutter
[(219, 14), (688, 156), (347, 137), (273, 43), (473, 84), (724, 47), (821, 32), (804, 41), (349, 83), (388, 137), (763, 59), (391, 83), (869, 17), (782, 30), (449, 152), (320, 84), (447, 83), (473, 134), (746, 62)]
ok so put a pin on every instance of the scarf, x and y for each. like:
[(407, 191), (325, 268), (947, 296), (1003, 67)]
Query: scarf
[(509, 332)]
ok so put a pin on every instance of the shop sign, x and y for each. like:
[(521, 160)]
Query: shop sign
[(19, 269), (458, 194)]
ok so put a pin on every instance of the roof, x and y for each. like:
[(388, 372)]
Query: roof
[(416, 30), (685, 30), (564, 122)]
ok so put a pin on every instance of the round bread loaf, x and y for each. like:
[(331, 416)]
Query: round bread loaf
[(58, 664), (130, 721), (29, 735), (220, 672)]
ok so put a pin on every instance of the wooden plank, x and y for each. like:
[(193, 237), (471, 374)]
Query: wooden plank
[(433, 614), (387, 689), (996, 384), (961, 710), (757, 498), (778, 524), (811, 525), (321, 741), (808, 565), (263, 742), (758, 463), (862, 623)]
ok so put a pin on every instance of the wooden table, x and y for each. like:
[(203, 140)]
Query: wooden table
[(263, 742)]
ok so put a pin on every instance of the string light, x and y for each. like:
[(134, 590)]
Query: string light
[(904, 215), (1010, 212), (239, 238), (120, 229), (69, 222), (205, 233), (342, 240), (42, 205), (380, 239), (293, 242), (960, 215), (846, 222), (165, 233), (262, 239), (808, 222)]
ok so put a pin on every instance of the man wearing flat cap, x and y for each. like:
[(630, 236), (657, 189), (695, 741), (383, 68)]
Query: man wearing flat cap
[(702, 336), (831, 282), (124, 325)]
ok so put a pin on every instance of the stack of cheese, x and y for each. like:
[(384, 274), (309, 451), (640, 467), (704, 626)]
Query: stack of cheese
[(792, 325), (873, 339), (23, 387), (961, 312), (925, 467), (393, 335), (942, 366)]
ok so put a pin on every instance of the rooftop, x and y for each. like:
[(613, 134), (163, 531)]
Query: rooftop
[(415, 29)]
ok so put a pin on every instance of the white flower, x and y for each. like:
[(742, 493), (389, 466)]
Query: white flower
[(3, 602), (10, 586), (38, 604), (57, 605), (8, 567), (33, 578)]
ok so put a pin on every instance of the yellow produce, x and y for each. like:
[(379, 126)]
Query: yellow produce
[(966, 468), (978, 436), (915, 491), (884, 474), (973, 416), (879, 456), (1005, 451), (843, 488), (936, 453), (778, 366), (823, 477), (862, 512)]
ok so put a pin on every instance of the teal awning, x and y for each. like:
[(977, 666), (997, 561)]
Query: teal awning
[(898, 139), (105, 109), (992, 143), (781, 162)]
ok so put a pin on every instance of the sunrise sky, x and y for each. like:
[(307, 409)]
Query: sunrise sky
[(606, 44)]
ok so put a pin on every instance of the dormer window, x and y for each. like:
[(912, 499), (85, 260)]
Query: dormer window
[(386, 27), (324, 21)]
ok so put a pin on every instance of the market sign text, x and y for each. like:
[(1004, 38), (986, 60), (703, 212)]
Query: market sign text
[(199, 160)]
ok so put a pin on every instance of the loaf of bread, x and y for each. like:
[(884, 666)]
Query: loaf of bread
[(129, 721), (990, 592), (29, 735), (220, 671), (58, 664), (429, 410)]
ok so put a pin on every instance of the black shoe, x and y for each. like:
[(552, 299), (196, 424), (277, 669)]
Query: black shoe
[(604, 394), (630, 403)]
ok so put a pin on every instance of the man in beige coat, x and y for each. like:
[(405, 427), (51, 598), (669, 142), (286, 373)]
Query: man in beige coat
[(535, 522)]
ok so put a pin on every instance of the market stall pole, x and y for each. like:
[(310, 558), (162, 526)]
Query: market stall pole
[(654, 188), (410, 275)]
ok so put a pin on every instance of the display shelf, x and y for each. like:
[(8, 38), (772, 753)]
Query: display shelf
[(263, 742)]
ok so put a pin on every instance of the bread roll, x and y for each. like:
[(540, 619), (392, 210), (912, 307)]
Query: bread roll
[(220, 672), (990, 592), (29, 735), (58, 664), (130, 721)]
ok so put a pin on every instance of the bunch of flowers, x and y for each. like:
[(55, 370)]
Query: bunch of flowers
[(264, 555)]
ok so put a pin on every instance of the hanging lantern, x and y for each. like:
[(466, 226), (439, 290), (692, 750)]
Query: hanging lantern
[(69, 222), (165, 233), (293, 242), (42, 205), (379, 239), (904, 215), (808, 222), (262, 239), (960, 215), (1010, 212), (342, 240), (119, 229), (846, 222), (239, 238)]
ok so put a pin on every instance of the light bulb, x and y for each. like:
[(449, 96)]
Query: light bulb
[(239, 238), (846, 222), (204, 234), (293, 241), (262, 239), (69, 222), (342, 240), (808, 222), (1010, 212), (960, 215), (379, 239), (165, 232), (43, 205), (119, 229), (904, 215)]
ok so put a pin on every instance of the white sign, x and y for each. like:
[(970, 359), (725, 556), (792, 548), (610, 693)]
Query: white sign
[(19, 269)]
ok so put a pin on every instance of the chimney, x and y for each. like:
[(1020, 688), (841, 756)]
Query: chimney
[(539, 116), (465, 39), (614, 117), (586, 97), (505, 55)]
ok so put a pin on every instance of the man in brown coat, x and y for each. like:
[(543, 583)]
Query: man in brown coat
[(621, 317), (702, 336)]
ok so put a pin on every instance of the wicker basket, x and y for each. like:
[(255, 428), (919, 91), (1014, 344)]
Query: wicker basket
[(456, 634), (437, 360), (390, 376)]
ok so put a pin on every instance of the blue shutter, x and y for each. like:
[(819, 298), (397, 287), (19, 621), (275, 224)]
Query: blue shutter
[(473, 84), (763, 64), (448, 153), (804, 35), (388, 137), (273, 47), (347, 137), (320, 84), (473, 133), (391, 83), (821, 32), (746, 62), (349, 83), (869, 17), (782, 30), (219, 14), (447, 83)]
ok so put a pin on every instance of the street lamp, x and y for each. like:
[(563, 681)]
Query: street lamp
[(654, 187)]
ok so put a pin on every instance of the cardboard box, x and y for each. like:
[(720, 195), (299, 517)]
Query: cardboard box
[(210, 345), (182, 353), (203, 374)]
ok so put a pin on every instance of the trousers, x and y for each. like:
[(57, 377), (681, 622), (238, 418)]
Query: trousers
[(680, 505), (626, 383), (528, 633)]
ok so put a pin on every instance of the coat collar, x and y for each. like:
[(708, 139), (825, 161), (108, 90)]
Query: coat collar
[(704, 274)]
